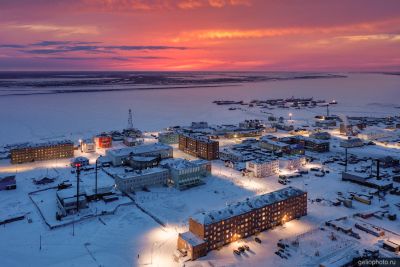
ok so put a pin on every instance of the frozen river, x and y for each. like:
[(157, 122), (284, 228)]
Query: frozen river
[(38, 117)]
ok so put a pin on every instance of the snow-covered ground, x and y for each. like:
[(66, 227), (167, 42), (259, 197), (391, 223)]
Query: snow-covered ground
[(130, 237)]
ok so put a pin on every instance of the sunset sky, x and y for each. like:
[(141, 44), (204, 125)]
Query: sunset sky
[(263, 35)]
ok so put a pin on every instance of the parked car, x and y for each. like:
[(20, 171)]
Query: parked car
[(236, 252), (258, 240)]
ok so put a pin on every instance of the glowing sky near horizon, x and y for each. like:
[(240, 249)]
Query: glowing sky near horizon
[(263, 35)]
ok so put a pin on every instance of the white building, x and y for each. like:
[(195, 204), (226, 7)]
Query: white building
[(185, 174), (88, 146), (130, 181), (117, 156), (292, 162), (263, 168)]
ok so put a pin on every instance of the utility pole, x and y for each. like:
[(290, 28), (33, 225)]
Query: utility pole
[(40, 242), (96, 175), (78, 172), (327, 110), (345, 166)]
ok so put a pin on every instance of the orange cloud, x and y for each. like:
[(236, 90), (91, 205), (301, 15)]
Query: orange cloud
[(58, 30), (216, 34)]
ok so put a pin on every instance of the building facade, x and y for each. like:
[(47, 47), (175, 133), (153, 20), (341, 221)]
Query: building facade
[(43, 151), (103, 141), (199, 146), (136, 180), (185, 174), (292, 162), (168, 137), (263, 168), (88, 146), (212, 230)]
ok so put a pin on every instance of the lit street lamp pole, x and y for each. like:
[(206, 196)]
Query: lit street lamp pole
[(96, 175), (80, 144), (290, 116), (78, 172)]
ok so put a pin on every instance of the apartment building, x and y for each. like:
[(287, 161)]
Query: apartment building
[(199, 146), (42, 151), (263, 167), (214, 229)]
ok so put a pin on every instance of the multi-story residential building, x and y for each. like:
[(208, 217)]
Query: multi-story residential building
[(272, 145), (130, 181), (321, 135), (352, 142), (118, 156), (88, 146), (42, 151), (103, 141), (212, 230), (292, 162), (185, 174), (232, 155), (169, 137), (199, 146), (263, 167), (315, 145), (244, 133), (311, 144), (280, 146)]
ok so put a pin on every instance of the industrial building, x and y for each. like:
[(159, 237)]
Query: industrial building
[(212, 230), (8, 183), (367, 181), (42, 151), (199, 146), (67, 200)]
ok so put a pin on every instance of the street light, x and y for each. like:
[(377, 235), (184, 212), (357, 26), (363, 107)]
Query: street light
[(290, 116), (97, 160), (80, 144), (78, 172)]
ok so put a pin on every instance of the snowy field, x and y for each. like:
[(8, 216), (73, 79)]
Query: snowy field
[(130, 236)]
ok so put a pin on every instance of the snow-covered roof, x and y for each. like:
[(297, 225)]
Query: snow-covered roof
[(181, 164), (71, 192), (200, 137), (46, 144), (138, 173), (137, 150), (247, 205), (191, 238)]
